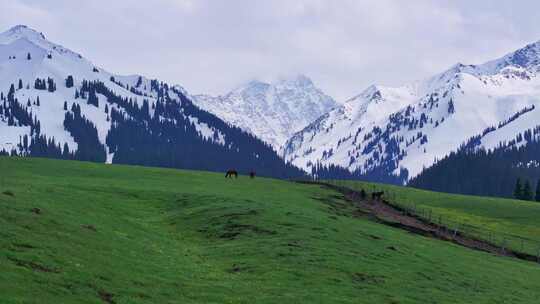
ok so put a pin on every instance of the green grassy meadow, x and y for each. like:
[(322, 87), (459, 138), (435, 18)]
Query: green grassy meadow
[(513, 222), (75, 232)]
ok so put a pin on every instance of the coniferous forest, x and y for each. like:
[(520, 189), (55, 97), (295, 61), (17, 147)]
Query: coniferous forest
[(512, 170)]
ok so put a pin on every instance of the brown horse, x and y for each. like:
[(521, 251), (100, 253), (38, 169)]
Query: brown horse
[(231, 174), (377, 195)]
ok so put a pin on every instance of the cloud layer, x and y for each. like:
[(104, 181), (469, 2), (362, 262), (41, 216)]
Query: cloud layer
[(211, 46)]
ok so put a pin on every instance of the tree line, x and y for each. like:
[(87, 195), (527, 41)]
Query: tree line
[(477, 171), (523, 191)]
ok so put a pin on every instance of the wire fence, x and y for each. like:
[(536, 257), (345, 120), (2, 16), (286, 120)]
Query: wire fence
[(505, 241)]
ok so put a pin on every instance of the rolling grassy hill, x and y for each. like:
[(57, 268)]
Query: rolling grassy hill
[(74, 232), (515, 223)]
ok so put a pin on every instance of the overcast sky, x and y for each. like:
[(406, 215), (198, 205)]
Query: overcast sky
[(212, 46)]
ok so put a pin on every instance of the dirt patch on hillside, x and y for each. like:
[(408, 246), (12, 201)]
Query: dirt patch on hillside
[(106, 297), (33, 265), (389, 215), (8, 193)]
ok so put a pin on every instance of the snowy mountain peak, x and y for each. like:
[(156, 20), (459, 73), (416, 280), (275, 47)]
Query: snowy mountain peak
[(372, 93), (21, 31), (22, 37), (253, 85), (24, 33), (272, 111), (527, 57)]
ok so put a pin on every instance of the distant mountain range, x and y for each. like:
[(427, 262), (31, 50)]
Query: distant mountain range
[(398, 132), (56, 103)]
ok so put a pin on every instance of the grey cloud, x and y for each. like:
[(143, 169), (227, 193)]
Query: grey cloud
[(213, 46)]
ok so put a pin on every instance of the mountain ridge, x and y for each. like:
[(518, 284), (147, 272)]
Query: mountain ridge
[(414, 125)]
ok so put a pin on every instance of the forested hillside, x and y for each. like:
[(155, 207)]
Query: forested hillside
[(477, 171), (54, 103)]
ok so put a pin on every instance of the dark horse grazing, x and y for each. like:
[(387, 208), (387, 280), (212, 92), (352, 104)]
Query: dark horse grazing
[(231, 173), (377, 195)]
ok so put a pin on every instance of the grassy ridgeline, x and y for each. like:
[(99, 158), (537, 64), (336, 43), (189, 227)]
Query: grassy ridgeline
[(74, 232), (514, 223)]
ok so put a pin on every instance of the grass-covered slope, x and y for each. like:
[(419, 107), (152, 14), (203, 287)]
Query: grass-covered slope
[(86, 233), (514, 223)]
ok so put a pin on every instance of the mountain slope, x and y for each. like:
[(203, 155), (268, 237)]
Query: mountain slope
[(272, 112), (401, 131), (55, 103), (480, 172)]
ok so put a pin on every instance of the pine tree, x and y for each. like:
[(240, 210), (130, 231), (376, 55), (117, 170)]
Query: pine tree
[(537, 196), (65, 106), (29, 57), (451, 109), (20, 84), (527, 192), (51, 86), (11, 92), (69, 81), (92, 98), (37, 102), (518, 190), (65, 151)]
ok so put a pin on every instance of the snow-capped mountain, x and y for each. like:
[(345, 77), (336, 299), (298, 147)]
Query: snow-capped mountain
[(400, 131), (56, 103), (270, 111)]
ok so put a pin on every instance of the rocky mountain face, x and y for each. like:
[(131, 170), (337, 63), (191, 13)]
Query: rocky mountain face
[(271, 111)]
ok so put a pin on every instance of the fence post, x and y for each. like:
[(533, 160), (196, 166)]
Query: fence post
[(456, 231)]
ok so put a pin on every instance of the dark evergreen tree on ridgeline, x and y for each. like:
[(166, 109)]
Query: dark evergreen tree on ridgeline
[(69, 82), (537, 195), (381, 174), (518, 189), (527, 192)]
